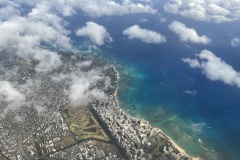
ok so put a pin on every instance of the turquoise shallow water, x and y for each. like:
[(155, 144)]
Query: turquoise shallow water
[(201, 115), (198, 114), (160, 116)]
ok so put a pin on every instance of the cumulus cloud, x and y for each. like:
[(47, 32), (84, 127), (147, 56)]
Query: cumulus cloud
[(95, 32), (43, 24), (9, 9), (188, 34), (80, 92), (146, 1), (98, 8), (148, 36), (78, 81), (11, 96), (235, 42), (62, 7), (205, 10), (47, 60), (26, 33), (215, 68), (83, 83)]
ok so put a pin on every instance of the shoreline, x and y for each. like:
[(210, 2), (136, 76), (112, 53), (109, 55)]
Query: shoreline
[(180, 149)]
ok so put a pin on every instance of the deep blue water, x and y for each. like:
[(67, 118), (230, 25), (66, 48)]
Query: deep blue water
[(154, 84)]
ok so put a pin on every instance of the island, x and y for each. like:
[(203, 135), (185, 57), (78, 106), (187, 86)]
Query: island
[(71, 112)]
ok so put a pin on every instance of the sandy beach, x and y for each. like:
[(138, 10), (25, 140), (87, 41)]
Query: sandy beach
[(181, 150)]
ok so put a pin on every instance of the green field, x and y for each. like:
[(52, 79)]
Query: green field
[(82, 122)]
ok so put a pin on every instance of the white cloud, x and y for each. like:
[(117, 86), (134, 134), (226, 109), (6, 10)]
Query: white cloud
[(82, 83), (188, 34), (76, 82), (235, 42), (148, 36), (95, 32), (94, 8), (206, 10), (61, 7), (98, 8), (215, 9), (26, 33), (47, 60), (146, 1), (80, 92), (215, 68), (10, 95), (9, 9)]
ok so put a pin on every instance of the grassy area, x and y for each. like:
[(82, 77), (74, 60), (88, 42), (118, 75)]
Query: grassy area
[(65, 142), (60, 143), (157, 146), (81, 122)]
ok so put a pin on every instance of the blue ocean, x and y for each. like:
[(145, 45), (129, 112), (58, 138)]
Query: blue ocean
[(200, 115)]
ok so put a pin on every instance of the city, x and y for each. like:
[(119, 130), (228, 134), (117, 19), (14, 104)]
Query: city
[(50, 123)]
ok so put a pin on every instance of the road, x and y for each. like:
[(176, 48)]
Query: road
[(112, 139), (20, 148)]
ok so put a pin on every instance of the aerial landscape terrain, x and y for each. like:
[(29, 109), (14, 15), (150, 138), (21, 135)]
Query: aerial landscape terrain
[(119, 79)]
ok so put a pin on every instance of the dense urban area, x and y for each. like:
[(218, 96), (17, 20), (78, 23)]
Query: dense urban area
[(71, 113)]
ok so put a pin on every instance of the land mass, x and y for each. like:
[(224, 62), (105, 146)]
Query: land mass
[(71, 112)]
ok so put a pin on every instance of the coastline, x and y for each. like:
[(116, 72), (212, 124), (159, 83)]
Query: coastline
[(180, 149)]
